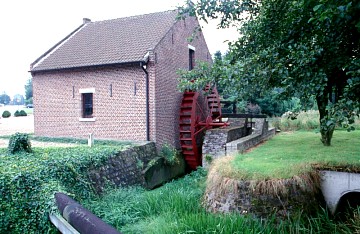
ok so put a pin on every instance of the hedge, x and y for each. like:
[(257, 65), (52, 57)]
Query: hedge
[(28, 182), (6, 114)]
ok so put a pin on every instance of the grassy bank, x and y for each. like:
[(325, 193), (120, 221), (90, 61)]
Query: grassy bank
[(176, 208), (293, 153)]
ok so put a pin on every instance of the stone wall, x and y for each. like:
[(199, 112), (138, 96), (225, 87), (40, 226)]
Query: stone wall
[(261, 132), (219, 142), (125, 168), (215, 141), (282, 198)]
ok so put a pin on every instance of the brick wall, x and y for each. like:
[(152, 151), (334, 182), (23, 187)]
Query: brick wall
[(121, 116), (58, 107), (172, 53)]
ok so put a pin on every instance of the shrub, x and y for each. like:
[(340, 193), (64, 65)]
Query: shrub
[(17, 113), (170, 154), (308, 120), (19, 142), (6, 114), (28, 184), (23, 113), (20, 113)]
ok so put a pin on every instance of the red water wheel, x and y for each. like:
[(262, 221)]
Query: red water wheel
[(197, 113)]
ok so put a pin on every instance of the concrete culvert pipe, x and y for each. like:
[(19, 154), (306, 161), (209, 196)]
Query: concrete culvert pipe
[(81, 218)]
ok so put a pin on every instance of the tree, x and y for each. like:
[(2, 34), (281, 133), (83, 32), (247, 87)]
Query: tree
[(28, 91), (18, 99), (4, 98), (306, 48)]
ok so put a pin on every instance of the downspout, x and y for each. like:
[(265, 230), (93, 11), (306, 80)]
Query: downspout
[(143, 67)]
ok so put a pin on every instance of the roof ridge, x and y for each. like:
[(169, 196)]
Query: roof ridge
[(133, 16)]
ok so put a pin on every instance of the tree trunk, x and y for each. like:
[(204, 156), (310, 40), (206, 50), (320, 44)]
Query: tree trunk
[(326, 128), (326, 135)]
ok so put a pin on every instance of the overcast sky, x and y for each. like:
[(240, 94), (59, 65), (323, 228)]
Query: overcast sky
[(31, 27)]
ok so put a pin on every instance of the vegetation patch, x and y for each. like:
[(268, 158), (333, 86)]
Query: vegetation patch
[(28, 182), (292, 154), (175, 208), (304, 120), (280, 177), (6, 114), (19, 142), (20, 113)]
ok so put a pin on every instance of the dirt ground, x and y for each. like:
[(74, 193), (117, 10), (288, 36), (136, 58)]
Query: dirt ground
[(23, 124)]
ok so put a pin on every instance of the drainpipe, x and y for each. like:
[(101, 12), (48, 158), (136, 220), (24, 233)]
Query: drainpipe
[(143, 67)]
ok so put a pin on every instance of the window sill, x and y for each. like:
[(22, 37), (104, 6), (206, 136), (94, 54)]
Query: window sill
[(87, 119)]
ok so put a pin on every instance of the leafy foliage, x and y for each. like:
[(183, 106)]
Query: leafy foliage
[(23, 113), (6, 114), (170, 154), (20, 113), (4, 98), (28, 91), (19, 142), (309, 49), (290, 121), (28, 182)]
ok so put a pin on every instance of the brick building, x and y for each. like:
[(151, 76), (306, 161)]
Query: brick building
[(116, 79)]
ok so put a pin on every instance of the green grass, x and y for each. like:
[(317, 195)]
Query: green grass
[(28, 110), (176, 208), (293, 153)]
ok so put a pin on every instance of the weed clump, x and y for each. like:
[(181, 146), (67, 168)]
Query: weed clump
[(170, 155)]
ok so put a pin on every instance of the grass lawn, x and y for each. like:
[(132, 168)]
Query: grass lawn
[(293, 153)]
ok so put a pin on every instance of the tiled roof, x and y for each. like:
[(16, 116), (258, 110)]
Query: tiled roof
[(114, 41)]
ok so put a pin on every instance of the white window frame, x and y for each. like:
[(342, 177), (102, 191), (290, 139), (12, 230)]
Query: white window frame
[(82, 91)]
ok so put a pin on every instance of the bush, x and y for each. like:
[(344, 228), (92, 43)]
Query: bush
[(170, 155), (23, 113), (308, 120), (20, 113), (19, 142), (6, 114), (28, 184)]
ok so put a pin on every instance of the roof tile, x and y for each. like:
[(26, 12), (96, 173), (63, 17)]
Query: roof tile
[(109, 42)]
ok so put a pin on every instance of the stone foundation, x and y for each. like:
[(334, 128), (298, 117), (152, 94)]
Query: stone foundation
[(262, 198)]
